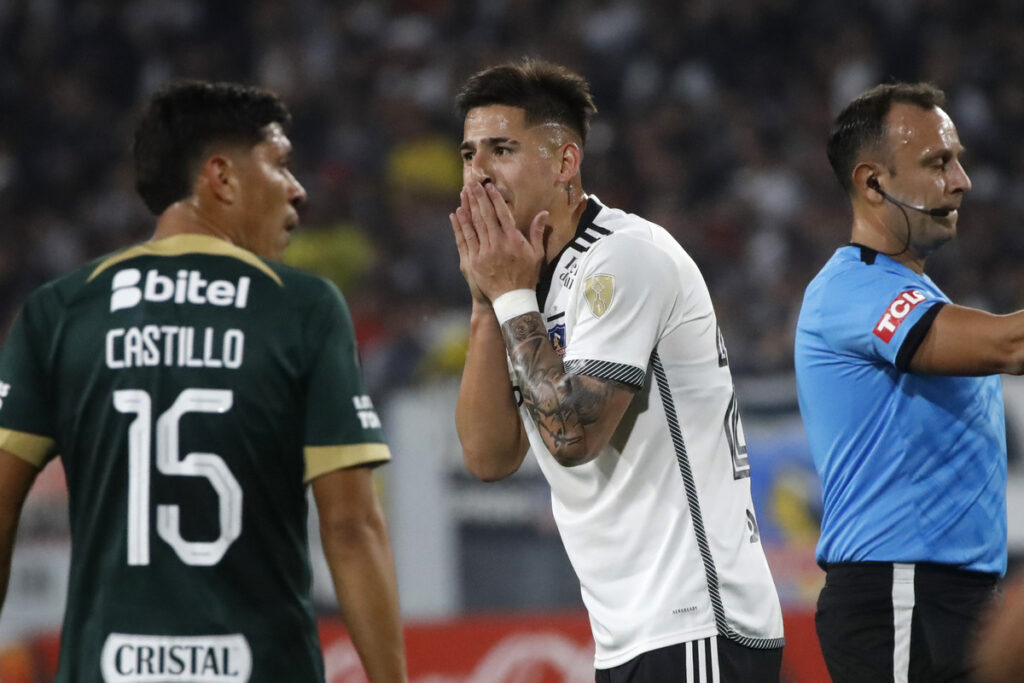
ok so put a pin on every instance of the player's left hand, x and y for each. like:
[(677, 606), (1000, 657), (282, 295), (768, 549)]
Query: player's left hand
[(501, 258)]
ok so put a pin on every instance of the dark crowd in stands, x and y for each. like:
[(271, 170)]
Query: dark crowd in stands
[(713, 120)]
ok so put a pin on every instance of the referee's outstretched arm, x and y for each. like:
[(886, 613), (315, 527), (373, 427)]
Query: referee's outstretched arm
[(968, 341)]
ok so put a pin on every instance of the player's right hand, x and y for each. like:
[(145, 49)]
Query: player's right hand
[(462, 227), (501, 258)]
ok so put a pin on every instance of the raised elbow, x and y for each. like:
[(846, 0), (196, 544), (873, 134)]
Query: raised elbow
[(488, 468)]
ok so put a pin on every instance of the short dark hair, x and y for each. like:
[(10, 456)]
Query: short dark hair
[(546, 92), (181, 121), (861, 125)]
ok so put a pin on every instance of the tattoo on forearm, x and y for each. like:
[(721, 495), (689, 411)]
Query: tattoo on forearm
[(561, 405)]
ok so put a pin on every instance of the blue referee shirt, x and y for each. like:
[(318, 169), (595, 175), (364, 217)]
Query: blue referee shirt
[(913, 466)]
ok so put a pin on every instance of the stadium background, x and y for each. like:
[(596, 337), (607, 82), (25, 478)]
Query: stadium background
[(713, 117)]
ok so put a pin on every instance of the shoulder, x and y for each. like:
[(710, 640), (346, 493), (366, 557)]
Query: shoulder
[(849, 278), (637, 243), (317, 299), (611, 222), (61, 292), (303, 283), (862, 304)]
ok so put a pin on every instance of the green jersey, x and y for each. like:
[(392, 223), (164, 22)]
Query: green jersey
[(192, 390)]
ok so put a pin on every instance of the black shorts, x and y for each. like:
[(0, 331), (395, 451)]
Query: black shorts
[(709, 660), (899, 623)]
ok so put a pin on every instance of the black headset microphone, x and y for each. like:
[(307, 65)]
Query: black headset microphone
[(872, 182)]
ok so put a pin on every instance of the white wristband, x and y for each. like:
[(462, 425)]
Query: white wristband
[(515, 303)]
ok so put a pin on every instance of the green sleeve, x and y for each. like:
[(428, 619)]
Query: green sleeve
[(26, 404), (342, 427)]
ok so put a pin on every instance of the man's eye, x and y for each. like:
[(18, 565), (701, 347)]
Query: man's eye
[(501, 151), (467, 156)]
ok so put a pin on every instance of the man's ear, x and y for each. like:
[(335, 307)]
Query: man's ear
[(572, 156), (218, 178), (865, 180)]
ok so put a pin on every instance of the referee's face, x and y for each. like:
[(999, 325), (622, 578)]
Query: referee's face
[(522, 162), (924, 154)]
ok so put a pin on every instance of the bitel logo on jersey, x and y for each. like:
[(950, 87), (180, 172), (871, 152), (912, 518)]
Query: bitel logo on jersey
[(188, 286)]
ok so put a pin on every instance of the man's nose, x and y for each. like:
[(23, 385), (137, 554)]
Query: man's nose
[(298, 193), (960, 181), (478, 170)]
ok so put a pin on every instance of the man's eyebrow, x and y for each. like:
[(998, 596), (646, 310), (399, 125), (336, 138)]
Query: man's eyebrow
[(944, 152), (488, 142)]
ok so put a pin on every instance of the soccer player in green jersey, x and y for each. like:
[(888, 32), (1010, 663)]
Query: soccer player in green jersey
[(194, 387)]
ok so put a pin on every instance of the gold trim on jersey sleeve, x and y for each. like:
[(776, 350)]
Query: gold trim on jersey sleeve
[(188, 244), (324, 459), (32, 448)]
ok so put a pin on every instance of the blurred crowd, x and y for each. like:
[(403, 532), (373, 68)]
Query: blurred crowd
[(713, 120)]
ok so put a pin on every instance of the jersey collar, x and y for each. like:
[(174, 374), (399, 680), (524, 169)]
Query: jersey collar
[(191, 243), (867, 254), (579, 242)]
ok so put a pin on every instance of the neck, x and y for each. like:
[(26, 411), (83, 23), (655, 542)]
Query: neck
[(187, 217), (563, 220), (875, 233)]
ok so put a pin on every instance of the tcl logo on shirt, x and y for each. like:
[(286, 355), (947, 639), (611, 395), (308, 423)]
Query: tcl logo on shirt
[(896, 313)]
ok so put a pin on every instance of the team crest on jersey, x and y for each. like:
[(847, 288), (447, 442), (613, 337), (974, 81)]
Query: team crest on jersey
[(599, 290), (557, 336)]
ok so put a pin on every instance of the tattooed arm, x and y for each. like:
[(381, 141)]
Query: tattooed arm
[(575, 414), (486, 417)]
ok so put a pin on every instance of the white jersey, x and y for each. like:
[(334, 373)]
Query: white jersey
[(660, 527)]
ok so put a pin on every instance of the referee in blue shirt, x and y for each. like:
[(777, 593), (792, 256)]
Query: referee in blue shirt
[(900, 396)]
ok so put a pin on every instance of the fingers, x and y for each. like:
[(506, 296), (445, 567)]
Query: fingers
[(496, 256), (460, 240), (485, 220), (501, 210), (537, 230), (466, 238), (472, 226)]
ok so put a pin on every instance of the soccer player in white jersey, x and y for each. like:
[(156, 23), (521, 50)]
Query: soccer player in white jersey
[(627, 400)]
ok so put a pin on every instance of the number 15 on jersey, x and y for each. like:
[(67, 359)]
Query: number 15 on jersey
[(170, 463)]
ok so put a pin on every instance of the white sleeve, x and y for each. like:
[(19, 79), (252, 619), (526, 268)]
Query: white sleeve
[(622, 302)]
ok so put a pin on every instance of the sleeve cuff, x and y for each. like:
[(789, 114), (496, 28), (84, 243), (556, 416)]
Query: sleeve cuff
[(324, 459), (32, 448), (916, 335), (599, 369)]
